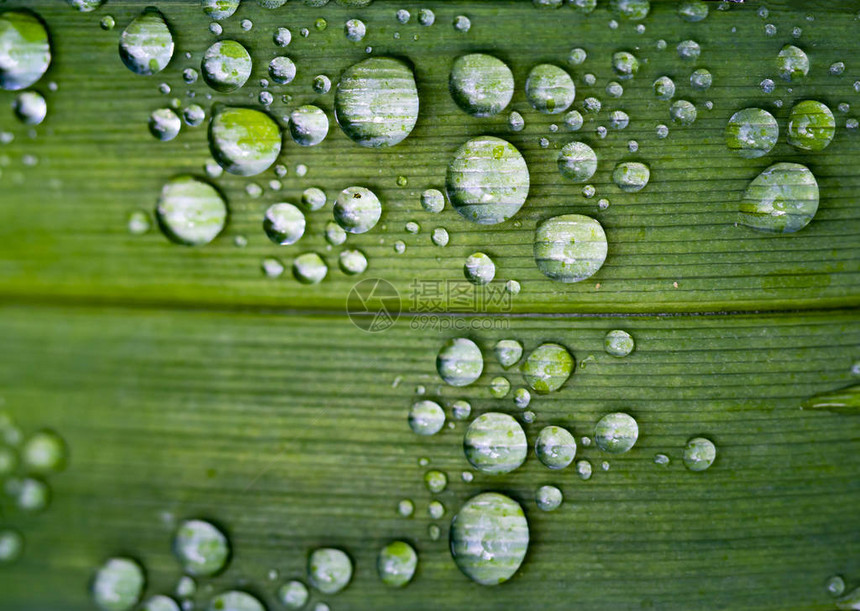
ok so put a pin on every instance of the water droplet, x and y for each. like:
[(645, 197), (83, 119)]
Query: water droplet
[(555, 447), (226, 66), (139, 222), (782, 199), (433, 201), (216, 28), (499, 387), (118, 584), (481, 84), (309, 268), (459, 362), (689, 50), (426, 17), (577, 56), (792, 63), (584, 6), (11, 546), (549, 89), (234, 600), (699, 454), (164, 124), (693, 10), (355, 30), (634, 10), (244, 141), (190, 211), (487, 180), (321, 84), (329, 570), (591, 105), (616, 433), (573, 120), (835, 585), (436, 510), (352, 262), (548, 498), (516, 123), (313, 198), (186, 587), (146, 44), (462, 23), (625, 64), (547, 368), (293, 594), (522, 398), (495, 443), (479, 268), (107, 23), (631, 176), (284, 223), (282, 70), (683, 112), (426, 417), (583, 469), (436, 481), (376, 102), (194, 115), (661, 459), (489, 538), (44, 452), (308, 125), (405, 508), (811, 126), (701, 79), (767, 85), (272, 267), (844, 400), (618, 343), (25, 51), (570, 248), (396, 564), (30, 107), (752, 133), (577, 161), (201, 548), (357, 210), (440, 236), (402, 16), (160, 602), (220, 9), (508, 352)]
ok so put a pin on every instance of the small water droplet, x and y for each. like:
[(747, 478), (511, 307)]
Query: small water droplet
[(396, 564), (426, 417), (355, 30), (548, 498), (164, 124), (462, 23), (683, 112), (792, 63), (226, 66), (555, 447), (329, 570), (699, 454), (293, 594), (190, 211), (220, 9), (479, 268), (577, 161), (201, 548), (752, 132), (661, 459), (440, 236), (11, 546), (583, 469), (118, 584), (405, 508), (30, 107), (499, 387), (618, 343), (689, 50), (309, 268), (835, 585), (235, 600)]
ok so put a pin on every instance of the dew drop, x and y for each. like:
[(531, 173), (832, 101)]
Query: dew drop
[(159, 602), (782, 199), (811, 126), (577, 161), (164, 124), (487, 180), (405, 508), (376, 102), (244, 141), (30, 107), (293, 594), (313, 198), (631, 176), (440, 236), (701, 79), (625, 64), (190, 211), (436, 481), (284, 223), (44, 452), (693, 10), (201, 548), (11, 546), (282, 70), (357, 210), (355, 30), (352, 262), (516, 123), (689, 50), (618, 343), (460, 362), (547, 368), (583, 469), (616, 433), (683, 112), (308, 125), (555, 447), (146, 44), (752, 133), (549, 89), (426, 417), (508, 352), (489, 538), (219, 9), (495, 443), (433, 201), (522, 398), (479, 268), (226, 66), (661, 459), (481, 84), (461, 409), (118, 585), (309, 268), (569, 248), (329, 570), (699, 454), (235, 600), (548, 498), (835, 586), (792, 63), (634, 10), (396, 564)]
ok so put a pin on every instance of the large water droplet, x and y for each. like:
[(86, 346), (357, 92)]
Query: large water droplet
[(699, 454), (235, 600), (577, 161), (118, 585), (782, 199), (487, 180), (146, 45), (811, 126), (481, 84), (570, 248), (460, 362), (555, 447), (549, 89), (489, 538), (201, 548), (357, 209), (376, 102), (329, 570), (25, 50), (547, 368), (752, 132), (244, 141), (226, 66), (190, 211), (792, 63), (616, 433), (396, 564), (219, 9), (495, 443)]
